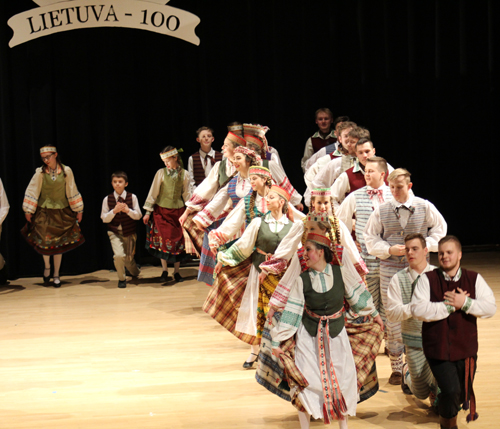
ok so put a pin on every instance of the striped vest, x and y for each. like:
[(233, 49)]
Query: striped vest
[(411, 329), (330, 148), (364, 209), (394, 234), (128, 224), (231, 190), (198, 169)]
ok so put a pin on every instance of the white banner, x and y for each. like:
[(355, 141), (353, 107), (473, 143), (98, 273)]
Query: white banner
[(55, 16)]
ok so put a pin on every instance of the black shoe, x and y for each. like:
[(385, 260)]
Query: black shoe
[(46, 279), (57, 282), (248, 365), (178, 278), (3, 276), (164, 276), (122, 284)]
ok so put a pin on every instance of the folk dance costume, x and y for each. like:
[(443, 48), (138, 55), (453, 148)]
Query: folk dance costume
[(165, 205), (315, 168), (219, 176), (122, 231), (331, 149), (222, 204), (4, 209), (315, 143), (331, 392), (362, 203), (54, 201), (449, 336), (419, 376), (388, 225), (200, 164)]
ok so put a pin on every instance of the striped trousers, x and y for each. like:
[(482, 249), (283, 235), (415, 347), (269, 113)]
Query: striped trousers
[(419, 377), (373, 284)]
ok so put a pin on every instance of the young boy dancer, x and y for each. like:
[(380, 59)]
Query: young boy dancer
[(324, 136), (120, 211), (418, 378), (449, 300), (200, 163), (384, 236)]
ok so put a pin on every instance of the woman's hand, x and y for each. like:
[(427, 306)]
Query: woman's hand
[(145, 219), (28, 217), (277, 351), (262, 277), (184, 216), (378, 320), (217, 268), (79, 217)]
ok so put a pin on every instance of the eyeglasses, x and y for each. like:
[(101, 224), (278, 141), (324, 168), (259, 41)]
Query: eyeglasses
[(46, 158)]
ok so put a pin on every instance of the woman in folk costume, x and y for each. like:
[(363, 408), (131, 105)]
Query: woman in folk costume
[(164, 206), (258, 242), (365, 336), (314, 316), (53, 208), (222, 204), (255, 137), (219, 176)]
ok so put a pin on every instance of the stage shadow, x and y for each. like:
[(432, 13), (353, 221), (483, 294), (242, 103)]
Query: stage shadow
[(10, 288)]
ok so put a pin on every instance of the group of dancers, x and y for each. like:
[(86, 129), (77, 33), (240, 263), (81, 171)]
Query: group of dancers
[(313, 295)]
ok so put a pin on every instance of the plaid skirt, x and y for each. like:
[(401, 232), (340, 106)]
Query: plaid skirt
[(53, 231), (365, 339), (193, 235), (207, 257), (224, 298)]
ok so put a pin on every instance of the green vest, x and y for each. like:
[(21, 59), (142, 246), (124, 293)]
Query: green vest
[(53, 193), (323, 304), (170, 195), (223, 177), (268, 241)]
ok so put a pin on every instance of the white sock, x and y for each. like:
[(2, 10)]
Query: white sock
[(254, 352), (304, 420)]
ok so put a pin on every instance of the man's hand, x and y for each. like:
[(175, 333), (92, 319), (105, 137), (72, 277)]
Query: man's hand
[(397, 250), (456, 299)]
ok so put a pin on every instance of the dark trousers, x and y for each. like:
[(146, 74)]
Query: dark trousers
[(450, 377)]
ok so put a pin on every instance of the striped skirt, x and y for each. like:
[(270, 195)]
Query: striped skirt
[(193, 235), (207, 257), (224, 298)]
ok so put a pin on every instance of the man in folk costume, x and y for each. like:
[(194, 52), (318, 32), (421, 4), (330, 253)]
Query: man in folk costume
[(361, 204), (417, 375), (384, 237), (314, 314), (449, 300)]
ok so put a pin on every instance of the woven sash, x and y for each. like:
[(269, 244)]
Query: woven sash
[(334, 407)]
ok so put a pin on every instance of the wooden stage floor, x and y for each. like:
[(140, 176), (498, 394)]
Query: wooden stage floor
[(90, 355)]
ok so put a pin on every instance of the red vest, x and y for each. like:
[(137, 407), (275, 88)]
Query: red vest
[(198, 170), (319, 143), (128, 224), (356, 180), (455, 337)]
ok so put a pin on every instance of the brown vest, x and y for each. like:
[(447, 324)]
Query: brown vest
[(198, 170), (356, 180), (455, 337), (319, 143), (128, 224)]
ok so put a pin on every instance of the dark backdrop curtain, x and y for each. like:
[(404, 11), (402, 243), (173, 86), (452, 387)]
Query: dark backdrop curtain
[(421, 76)]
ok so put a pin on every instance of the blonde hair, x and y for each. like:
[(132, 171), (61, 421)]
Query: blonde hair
[(400, 172)]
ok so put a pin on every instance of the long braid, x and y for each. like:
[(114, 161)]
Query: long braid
[(252, 205)]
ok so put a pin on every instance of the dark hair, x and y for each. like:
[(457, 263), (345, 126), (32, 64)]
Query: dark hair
[(257, 149), (120, 174), (58, 161), (199, 130), (340, 119), (417, 236), (362, 141), (327, 252), (447, 238)]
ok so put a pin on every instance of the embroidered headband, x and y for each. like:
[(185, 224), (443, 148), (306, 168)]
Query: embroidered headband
[(281, 192), (317, 217), (48, 149), (319, 239), (237, 140), (261, 171), (233, 128), (321, 192), (244, 150), (173, 152)]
